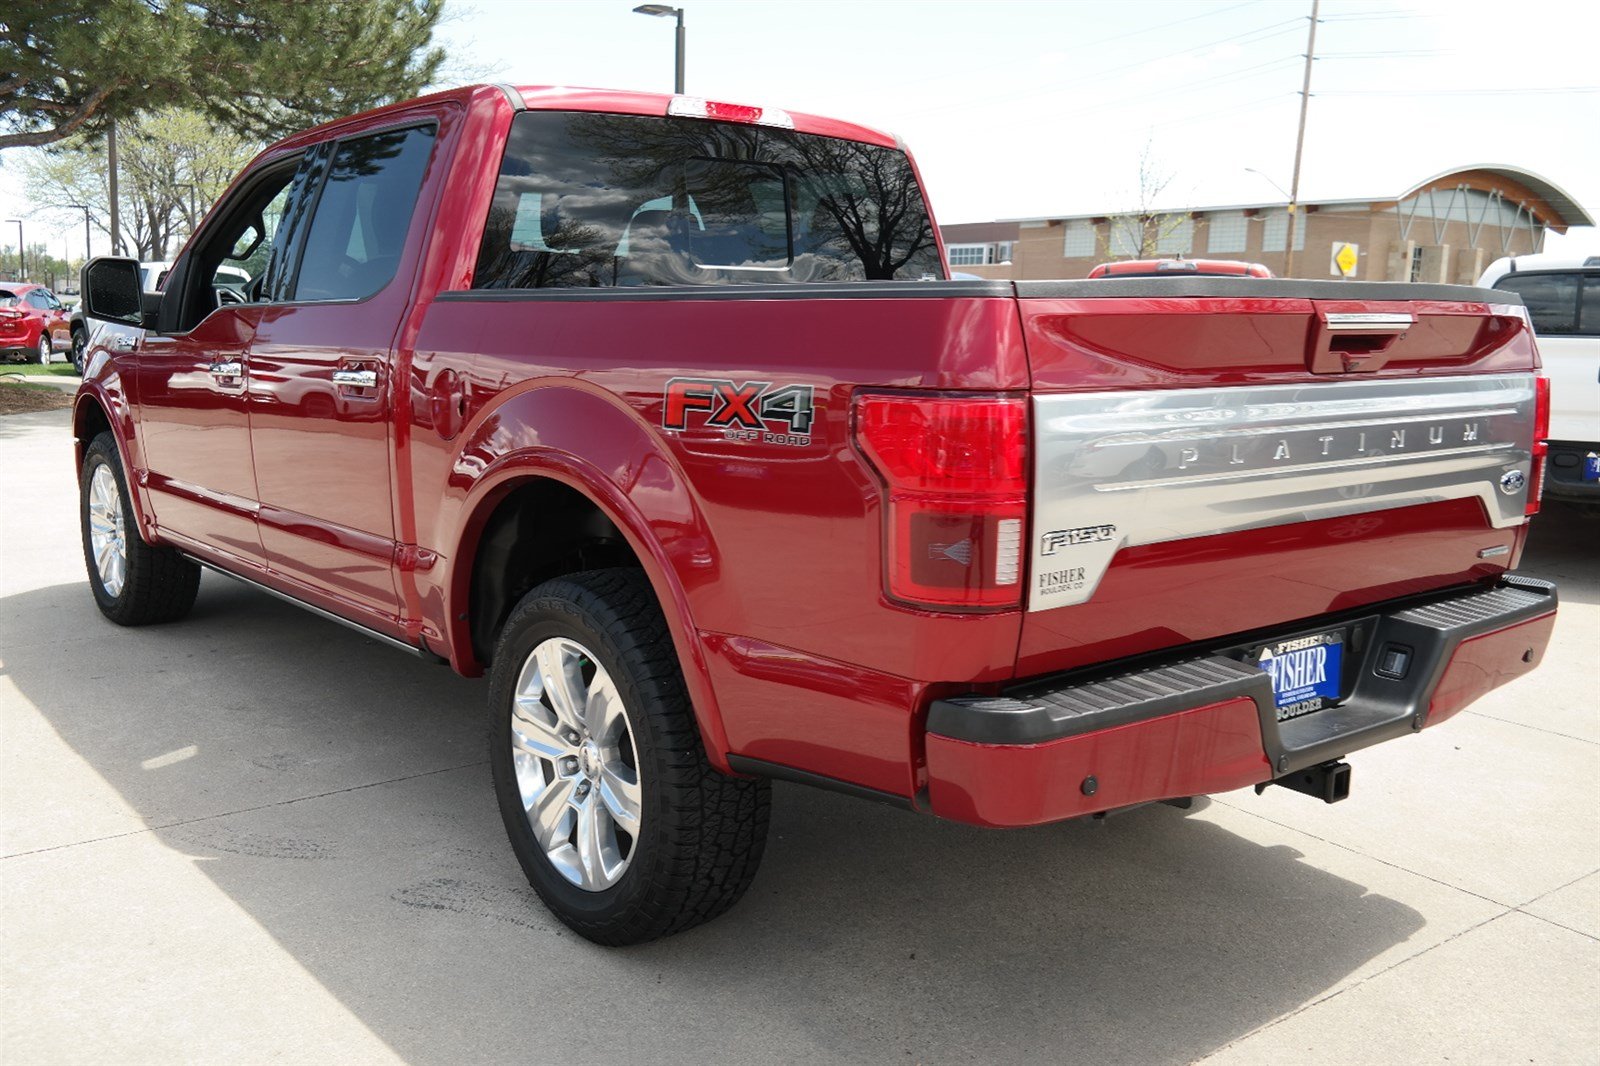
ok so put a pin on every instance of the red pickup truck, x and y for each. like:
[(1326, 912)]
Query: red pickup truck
[(664, 413)]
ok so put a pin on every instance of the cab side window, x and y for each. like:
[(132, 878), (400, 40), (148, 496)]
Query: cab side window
[(363, 213)]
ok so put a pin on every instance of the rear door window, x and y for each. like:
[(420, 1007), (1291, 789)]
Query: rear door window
[(593, 200), (363, 213), (1552, 299)]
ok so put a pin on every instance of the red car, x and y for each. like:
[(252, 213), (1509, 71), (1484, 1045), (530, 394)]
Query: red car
[(663, 413), (33, 324), (1166, 268)]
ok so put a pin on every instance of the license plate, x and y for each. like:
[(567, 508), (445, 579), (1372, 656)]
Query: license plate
[(1305, 672)]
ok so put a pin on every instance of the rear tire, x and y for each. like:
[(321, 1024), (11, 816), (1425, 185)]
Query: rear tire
[(134, 583), (592, 738), (43, 351), (80, 348)]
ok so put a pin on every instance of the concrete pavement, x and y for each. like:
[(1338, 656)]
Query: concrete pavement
[(258, 837)]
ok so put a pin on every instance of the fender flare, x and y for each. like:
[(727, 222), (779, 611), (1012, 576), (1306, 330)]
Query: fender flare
[(570, 415), (105, 393)]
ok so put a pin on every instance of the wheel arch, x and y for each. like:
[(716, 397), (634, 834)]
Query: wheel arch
[(96, 410), (585, 452)]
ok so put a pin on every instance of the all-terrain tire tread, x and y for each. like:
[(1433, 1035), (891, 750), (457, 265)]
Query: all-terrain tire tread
[(715, 825)]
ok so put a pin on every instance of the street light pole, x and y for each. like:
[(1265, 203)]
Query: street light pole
[(1299, 144), (662, 11), (85, 209), (22, 251)]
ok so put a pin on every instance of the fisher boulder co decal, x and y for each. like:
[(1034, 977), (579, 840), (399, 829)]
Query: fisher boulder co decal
[(759, 411)]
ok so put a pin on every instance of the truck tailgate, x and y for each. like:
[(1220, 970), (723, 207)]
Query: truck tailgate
[(1212, 458)]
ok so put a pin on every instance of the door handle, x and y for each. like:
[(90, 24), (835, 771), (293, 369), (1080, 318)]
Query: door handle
[(356, 379), (121, 342), (231, 369)]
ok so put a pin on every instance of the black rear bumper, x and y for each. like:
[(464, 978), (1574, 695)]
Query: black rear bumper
[(1385, 699)]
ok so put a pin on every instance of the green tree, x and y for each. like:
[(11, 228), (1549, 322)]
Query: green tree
[(261, 68), (43, 268), (173, 166)]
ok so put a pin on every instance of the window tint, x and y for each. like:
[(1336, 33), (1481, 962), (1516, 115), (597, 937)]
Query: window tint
[(1589, 313), (353, 245), (1552, 299), (7, 298), (601, 200), (42, 300)]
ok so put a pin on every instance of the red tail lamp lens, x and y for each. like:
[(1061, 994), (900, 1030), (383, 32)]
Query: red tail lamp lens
[(955, 473), (1541, 446)]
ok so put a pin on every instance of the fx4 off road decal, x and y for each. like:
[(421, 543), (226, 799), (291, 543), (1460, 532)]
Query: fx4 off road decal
[(754, 411)]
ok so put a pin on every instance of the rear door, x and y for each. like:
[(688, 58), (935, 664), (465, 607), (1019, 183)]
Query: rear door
[(1207, 465), (321, 375)]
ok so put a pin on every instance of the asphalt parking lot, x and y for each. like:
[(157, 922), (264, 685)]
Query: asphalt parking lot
[(256, 836)]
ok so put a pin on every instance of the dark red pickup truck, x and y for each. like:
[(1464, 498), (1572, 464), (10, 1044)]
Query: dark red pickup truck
[(664, 413)]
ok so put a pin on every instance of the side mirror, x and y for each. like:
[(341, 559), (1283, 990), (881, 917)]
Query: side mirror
[(111, 290)]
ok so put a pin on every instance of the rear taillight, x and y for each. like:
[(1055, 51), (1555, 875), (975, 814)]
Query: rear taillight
[(1541, 446), (955, 491)]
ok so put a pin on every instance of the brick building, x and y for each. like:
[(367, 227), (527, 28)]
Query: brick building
[(1445, 229)]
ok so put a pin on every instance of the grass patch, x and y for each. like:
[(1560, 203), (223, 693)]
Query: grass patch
[(34, 370)]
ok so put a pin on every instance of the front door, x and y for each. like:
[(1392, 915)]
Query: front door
[(320, 379), (192, 381)]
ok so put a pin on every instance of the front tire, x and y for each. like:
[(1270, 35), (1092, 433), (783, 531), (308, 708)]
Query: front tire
[(620, 823), (134, 583)]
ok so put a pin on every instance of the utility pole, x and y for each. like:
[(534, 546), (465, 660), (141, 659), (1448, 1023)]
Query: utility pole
[(1299, 145), (111, 166)]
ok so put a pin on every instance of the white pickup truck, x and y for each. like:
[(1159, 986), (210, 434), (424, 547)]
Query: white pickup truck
[(1562, 294)]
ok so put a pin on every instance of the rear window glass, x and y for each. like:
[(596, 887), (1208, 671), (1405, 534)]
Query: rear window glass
[(7, 298), (1589, 310), (614, 200), (1552, 299)]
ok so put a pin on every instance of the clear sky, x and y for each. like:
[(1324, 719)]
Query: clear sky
[(1018, 109)]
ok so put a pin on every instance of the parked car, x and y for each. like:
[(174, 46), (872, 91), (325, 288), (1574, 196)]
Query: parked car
[(1166, 268), (33, 325), (1562, 294), (641, 405)]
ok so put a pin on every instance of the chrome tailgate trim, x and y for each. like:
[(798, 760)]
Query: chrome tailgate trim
[(1119, 469)]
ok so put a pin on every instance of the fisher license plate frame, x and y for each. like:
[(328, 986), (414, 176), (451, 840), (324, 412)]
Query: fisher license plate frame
[(1307, 672)]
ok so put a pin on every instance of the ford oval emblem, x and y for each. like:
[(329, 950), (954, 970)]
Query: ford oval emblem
[(1512, 481)]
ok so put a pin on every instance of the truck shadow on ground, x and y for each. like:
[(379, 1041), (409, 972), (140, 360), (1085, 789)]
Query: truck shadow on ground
[(336, 791)]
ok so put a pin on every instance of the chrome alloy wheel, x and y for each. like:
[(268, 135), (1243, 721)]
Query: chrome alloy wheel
[(108, 530), (576, 764)]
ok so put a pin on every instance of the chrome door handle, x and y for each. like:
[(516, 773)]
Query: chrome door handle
[(121, 342), (359, 379), (227, 370)]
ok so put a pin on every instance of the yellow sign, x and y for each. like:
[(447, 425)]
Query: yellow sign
[(1345, 258)]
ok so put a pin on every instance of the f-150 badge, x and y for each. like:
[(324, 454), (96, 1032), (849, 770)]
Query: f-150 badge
[(754, 411)]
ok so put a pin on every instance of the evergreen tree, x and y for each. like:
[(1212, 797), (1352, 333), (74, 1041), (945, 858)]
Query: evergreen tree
[(261, 68)]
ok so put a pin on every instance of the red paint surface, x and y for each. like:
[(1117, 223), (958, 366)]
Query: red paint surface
[(1487, 662), (768, 559), (1158, 595), (1213, 748)]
